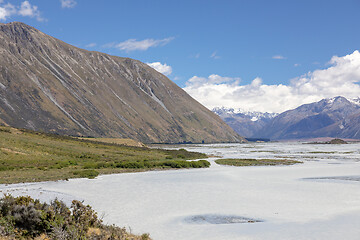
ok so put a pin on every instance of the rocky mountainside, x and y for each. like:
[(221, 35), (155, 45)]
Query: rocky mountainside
[(334, 117), (48, 85), (244, 122)]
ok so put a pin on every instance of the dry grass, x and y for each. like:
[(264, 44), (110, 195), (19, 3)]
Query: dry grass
[(120, 141), (27, 156)]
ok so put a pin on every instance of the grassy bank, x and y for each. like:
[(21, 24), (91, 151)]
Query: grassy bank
[(255, 162), (27, 156), (26, 218)]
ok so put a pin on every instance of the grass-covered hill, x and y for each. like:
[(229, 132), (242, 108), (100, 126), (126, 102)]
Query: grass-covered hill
[(27, 156)]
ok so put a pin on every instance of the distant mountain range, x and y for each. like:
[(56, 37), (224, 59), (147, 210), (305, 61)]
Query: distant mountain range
[(333, 117), (48, 85), (246, 123)]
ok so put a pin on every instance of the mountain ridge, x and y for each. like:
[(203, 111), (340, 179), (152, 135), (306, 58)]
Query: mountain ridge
[(311, 120), (337, 117), (246, 123), (49, 85)]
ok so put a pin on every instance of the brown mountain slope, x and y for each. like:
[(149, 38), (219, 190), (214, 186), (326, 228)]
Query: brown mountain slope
[(48, 85)]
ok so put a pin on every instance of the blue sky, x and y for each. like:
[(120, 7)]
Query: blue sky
[(235, 42)]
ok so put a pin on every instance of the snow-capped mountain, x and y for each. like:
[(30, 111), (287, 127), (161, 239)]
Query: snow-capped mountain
[(246, 123), (252, 114), (331, 117)]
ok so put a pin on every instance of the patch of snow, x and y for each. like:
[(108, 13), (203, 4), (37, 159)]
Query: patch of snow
[(355, 101), (252, 114), (254, 119), (330, 100)]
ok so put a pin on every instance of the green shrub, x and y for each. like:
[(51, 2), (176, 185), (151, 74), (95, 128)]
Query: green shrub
[(130, 165), (89, 173), (26, 218)]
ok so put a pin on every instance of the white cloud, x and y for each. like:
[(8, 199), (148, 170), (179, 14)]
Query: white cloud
[(161, 68), (68, 3), (25, 10), (341, 78), (28, 10), (90, 45), (7, 10), (3, 13), (214, 55), (133, 44), (297, 64), (278, 57), (213, 79)]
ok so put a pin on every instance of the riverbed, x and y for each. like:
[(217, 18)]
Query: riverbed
[(319, 199)]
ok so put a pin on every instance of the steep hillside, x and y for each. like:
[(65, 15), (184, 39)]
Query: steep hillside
[(335, 117), (48, 85)]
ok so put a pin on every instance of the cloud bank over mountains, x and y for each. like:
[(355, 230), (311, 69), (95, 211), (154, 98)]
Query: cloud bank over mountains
[(341, 78)]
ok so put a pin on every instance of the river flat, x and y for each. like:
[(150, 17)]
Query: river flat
[(319, 199)]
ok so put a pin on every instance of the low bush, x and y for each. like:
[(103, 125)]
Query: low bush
[(26, 218)]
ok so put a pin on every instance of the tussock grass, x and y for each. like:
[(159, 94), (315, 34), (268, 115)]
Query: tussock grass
[(255, 162), (27, 156)]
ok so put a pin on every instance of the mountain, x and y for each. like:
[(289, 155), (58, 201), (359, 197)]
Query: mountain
[(333, 117), (48, 85), (245, 123)]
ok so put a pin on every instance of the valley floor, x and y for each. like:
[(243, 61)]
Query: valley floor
[(319, 199)]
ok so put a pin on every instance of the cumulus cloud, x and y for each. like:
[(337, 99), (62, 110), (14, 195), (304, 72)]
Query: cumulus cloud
[(133, 44), (341, 78), (90, 45), (278, 57), (6, 11), (28, 10), (25, 10), (68, 3), (161, 68)]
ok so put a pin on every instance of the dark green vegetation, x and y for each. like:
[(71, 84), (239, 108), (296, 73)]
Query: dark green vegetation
[(336, 141), (26, 218), (255, 162), (332, 141), (27, 156)]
